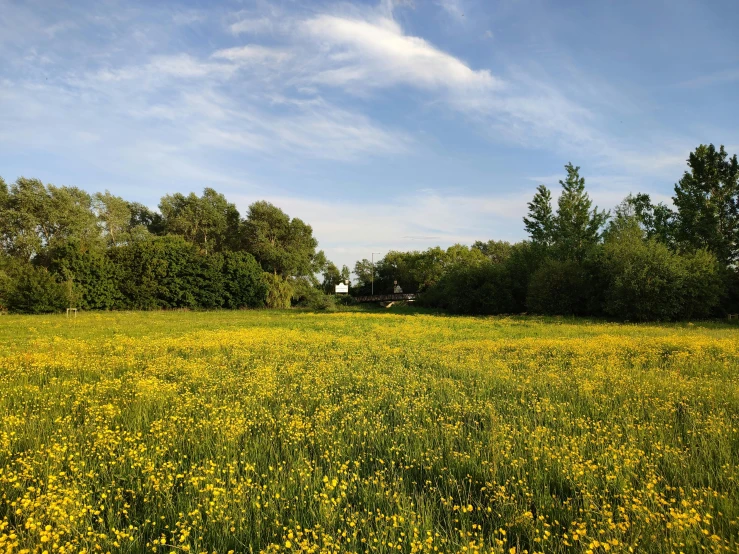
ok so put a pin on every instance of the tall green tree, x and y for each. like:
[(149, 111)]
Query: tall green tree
[(417, 271), (283, 246), (209, 221), (577, 227), (707, 203), (36, 217), (497, 251), (4, 193), (72, 218), (6, 223), (23, 210), (114, 215), (540, 221), (142, 217), (363, 270), (656, 220), (332, 276)]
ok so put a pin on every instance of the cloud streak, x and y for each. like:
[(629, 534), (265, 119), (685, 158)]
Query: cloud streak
[(252, 53), (378, 54)]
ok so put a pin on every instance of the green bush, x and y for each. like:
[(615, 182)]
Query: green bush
[(323, 302), (344, 300), (208, 280), (478, 289), (558, 287), (729, 300), (703, 284), (35, 291), (89, 276), (279, 291), (523, 261), (307, 295), (243, 281), (6, 284), (157, 273), (168, 272), (644, 279)]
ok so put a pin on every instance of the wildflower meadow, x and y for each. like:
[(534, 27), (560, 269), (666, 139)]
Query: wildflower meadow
[(280, 431)]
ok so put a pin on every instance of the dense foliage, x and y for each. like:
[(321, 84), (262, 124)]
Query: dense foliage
[(60, 246), (381, 433), (644, 262)]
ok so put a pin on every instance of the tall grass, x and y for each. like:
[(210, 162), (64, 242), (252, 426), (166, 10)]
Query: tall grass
[(366, 432)]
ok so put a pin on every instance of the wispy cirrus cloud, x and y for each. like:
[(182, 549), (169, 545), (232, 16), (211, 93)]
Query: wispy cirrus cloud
[(252, 53), (254, 25), (722, 77), (161, 68), (377, 53), (319, 130), (454, 8)]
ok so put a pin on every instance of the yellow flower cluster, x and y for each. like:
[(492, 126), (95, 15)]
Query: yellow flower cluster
[(365, 432)]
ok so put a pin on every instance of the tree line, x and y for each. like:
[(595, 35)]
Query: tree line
[(63, 247), (644, 261)]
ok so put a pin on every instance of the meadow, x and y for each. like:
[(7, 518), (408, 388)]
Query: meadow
[(287, 431)]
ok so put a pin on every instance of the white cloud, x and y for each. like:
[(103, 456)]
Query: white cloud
[(378, 54), (338, 134), (452, 7), (723, 77), (60, 27), (358, 54), (317, 130), (252, 53), (186, 66), (188, 17), (180, 66), (254, 26)]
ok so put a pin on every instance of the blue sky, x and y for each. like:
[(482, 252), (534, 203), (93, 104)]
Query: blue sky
[(384, 124)]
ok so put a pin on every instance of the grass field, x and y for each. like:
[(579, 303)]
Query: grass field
[(366, 432)]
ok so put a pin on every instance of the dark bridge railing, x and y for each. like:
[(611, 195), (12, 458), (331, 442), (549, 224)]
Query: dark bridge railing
[(386, 297)]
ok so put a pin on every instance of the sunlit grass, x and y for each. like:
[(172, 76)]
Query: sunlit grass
[(379, 432)]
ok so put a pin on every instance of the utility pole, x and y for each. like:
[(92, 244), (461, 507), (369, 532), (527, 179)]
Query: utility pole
[(373, 271)]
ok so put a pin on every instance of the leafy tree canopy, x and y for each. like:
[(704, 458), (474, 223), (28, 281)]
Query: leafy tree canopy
[(283, 246), (577, 227), (540, 221), (655, 220), (34, 216), (209, 221), (707, 203)]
